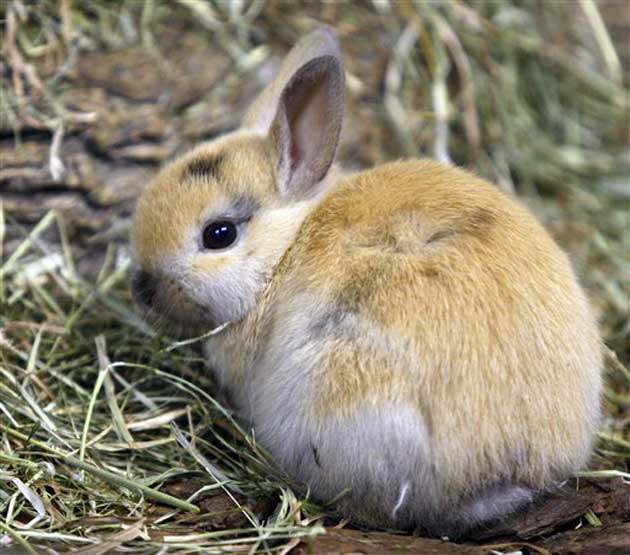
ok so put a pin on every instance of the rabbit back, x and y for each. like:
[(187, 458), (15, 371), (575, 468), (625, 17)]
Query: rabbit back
[(423, 335)]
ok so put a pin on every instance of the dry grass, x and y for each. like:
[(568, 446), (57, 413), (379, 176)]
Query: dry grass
[(98, 415), (101, 420)]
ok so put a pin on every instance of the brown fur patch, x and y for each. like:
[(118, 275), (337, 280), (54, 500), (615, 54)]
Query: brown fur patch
[(355, 294), (478, 222), (439, 235), (204, 166)]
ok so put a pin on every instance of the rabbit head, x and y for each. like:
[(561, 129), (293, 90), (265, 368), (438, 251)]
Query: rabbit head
[(210, 228)]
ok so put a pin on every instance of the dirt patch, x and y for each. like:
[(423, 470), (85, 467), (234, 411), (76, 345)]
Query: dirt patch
[(558, 524)]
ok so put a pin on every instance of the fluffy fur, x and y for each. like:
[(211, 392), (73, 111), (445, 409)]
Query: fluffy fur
[(409, 334)]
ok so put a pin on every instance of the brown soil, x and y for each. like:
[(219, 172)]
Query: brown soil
[(555, 525)]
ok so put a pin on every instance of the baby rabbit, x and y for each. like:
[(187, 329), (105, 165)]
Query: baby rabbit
[(409, 334)]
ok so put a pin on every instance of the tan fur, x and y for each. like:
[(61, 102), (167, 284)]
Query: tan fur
[(462, 312), (411, 325), (173, 204), (489, 312)]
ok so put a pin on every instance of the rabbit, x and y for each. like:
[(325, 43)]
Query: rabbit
[(407, 341)]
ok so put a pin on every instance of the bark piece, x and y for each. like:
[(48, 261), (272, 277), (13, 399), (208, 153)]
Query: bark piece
[(611, 540), (564, 509), (355, 542)]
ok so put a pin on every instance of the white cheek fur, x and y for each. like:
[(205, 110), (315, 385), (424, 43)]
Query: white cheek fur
[(232, 290)]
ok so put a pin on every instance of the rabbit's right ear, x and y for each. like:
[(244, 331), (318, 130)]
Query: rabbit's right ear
[(301, 111)]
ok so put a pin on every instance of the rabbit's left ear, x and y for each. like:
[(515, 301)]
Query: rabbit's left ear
[(306, 101), (305, 131)]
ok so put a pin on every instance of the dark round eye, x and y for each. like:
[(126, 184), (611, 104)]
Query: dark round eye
[(219, 235)]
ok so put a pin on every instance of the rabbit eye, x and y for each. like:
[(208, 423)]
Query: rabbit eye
[(219, 235)]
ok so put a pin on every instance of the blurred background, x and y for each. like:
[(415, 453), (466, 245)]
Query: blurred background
[(96, 95)]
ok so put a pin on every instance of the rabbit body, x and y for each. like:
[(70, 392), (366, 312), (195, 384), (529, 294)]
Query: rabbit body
[(424, 343), (409, 334)]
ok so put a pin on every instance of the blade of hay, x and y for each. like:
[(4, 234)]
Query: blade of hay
[(125, 535), (105, 474)]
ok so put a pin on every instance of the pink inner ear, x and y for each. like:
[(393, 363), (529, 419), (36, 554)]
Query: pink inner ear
[(310, 110), (296, 155), (307, 124), (308, 113)]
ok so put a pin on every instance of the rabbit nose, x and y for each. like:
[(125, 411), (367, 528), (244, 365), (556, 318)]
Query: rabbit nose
[(144, 287)]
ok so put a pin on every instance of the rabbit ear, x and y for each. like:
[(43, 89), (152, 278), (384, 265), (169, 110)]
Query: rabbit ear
[(302, 111), (321, 42)]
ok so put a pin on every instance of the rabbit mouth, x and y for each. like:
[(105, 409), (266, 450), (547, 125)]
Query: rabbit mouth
[(168, 308), (168, 322)]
